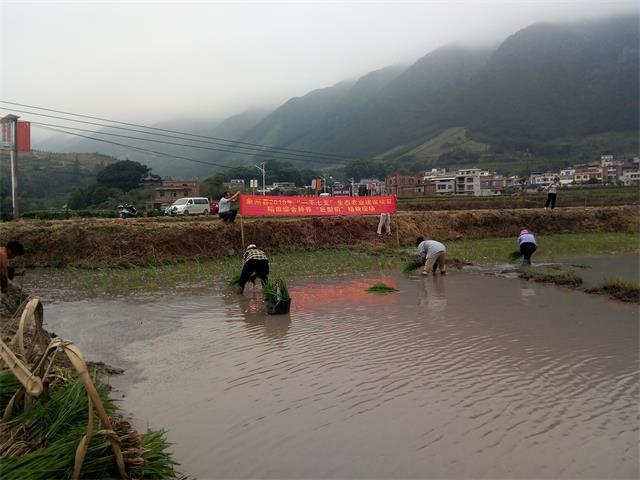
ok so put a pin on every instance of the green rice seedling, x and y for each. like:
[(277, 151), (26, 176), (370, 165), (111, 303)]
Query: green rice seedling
[(581, 265), (513, 256), (411, 266), (380, 289), (275, 290), (282, 289), (41, 442), (8, 386), (269, 291), (235, 280)]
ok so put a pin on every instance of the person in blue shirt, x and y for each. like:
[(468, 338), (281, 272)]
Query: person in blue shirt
[(527, 246)]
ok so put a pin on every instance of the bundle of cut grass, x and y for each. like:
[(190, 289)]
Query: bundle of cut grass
[(411, 266), (41, 442), (380, 289)]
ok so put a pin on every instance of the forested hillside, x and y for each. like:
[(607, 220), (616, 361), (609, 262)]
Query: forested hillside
[(50, 176)]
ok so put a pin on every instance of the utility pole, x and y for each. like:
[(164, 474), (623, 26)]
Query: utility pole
[(262, 169), (10, 131), (353, 186)]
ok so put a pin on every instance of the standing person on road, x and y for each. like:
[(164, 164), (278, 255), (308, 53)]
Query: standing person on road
[(225, 212), (527, 245), (256, 265), (552, 190), (385, 221), (432, 254)]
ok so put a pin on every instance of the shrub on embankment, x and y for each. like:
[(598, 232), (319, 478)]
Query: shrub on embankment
[(102, 242)]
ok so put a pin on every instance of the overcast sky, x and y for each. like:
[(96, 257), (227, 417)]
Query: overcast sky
[(153, 61)]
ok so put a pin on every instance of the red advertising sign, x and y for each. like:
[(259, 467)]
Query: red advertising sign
[(24, 136), (272, 206)]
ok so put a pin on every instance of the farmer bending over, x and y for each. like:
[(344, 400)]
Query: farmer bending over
[(256, 265), (432, 254), (9, 251), (527, 246)]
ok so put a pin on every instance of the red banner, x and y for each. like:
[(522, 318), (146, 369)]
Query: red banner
[(272, 206), (24, 136)]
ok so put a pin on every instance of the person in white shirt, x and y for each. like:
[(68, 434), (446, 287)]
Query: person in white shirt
[(225, 212), (552, 190)]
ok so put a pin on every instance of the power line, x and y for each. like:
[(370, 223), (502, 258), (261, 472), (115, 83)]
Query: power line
[(320, 154), (37, 124), (170, 136), (138, 148)]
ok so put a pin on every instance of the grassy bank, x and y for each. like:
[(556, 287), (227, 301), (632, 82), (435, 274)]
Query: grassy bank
[(567, 197), (109, 243), (290, 264)]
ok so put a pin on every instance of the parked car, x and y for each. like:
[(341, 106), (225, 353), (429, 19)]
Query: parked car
[(191, 206), (213, 207)]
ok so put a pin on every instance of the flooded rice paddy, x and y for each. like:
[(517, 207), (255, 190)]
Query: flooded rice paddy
[(463, 376)]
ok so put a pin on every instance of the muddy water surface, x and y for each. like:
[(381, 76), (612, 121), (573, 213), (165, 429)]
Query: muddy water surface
[(460, 376)]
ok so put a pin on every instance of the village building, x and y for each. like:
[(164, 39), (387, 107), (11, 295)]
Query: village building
[(171, 190)]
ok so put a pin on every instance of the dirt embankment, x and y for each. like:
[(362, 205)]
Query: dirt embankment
[(105, 242)]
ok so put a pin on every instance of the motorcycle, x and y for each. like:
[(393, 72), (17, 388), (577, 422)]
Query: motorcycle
[(127, 211)]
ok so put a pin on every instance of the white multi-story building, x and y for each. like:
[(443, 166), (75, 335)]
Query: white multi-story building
[(541, 179), (629, 178), (468, 182), (567, 176), (445, 184)]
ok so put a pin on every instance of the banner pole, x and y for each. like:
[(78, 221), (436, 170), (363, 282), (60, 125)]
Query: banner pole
[(242, 231), (397, 234)]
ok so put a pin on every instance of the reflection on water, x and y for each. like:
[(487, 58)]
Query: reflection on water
[(457, 376), (251, 307), (433, 294)]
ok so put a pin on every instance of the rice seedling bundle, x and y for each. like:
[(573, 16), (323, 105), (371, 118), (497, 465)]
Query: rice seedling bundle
[(235, 280), (381, 288), (411, 266), (513, 256), (41, 442), (275, 290)]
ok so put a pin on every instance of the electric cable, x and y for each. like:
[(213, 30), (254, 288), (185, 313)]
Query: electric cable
[(169, 136), (323, 155), (161, 141), (146, 150)]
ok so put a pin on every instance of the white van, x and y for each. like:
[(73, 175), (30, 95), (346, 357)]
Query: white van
[(190, 206)]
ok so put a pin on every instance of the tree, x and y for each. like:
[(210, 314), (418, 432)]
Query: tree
[(125, 175)]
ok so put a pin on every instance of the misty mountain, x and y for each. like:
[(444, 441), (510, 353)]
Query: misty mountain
[(543, 84), (549, 81), (557, 90)]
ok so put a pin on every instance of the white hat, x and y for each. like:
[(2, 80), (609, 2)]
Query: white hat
[(249, 247)]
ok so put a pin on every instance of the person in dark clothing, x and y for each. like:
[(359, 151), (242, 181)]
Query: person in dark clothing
[(527, 246), (256, 265), (552, 190)]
